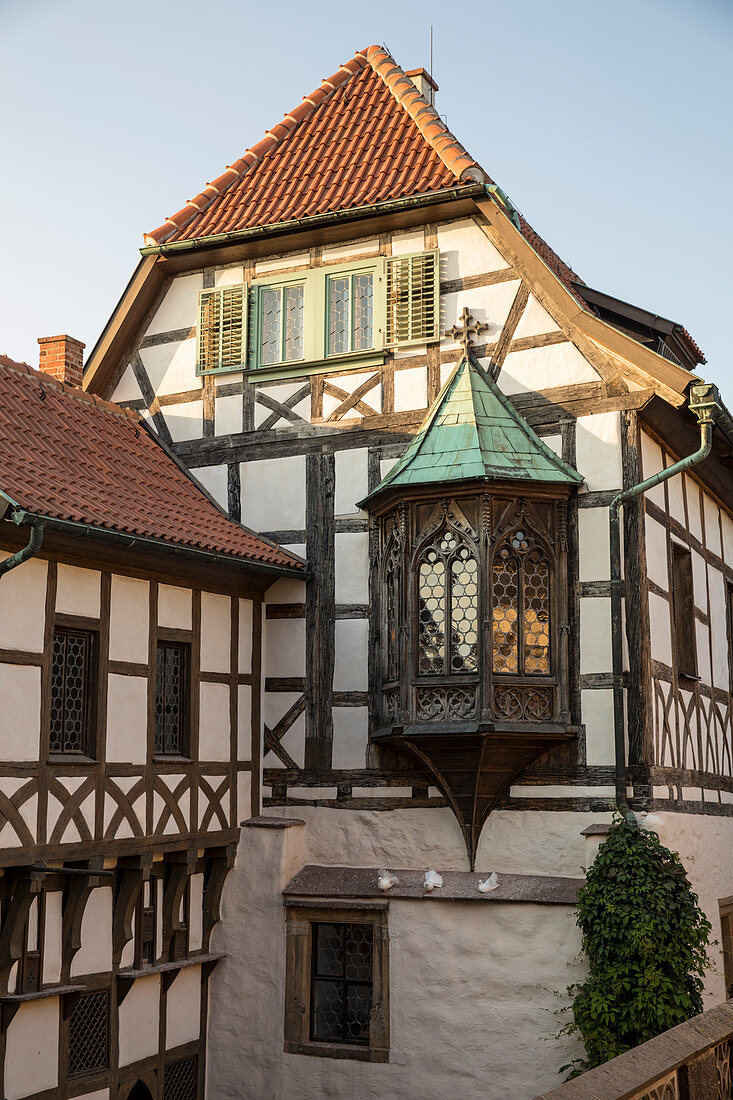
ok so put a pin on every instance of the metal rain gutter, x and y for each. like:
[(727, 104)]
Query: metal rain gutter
[(34, 545), (204, 557), (704, 403), (314, 220)]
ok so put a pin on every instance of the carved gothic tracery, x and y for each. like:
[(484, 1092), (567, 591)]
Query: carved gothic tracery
[(472, 594)]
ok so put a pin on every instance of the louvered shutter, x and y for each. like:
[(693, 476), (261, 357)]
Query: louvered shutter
[(413, 307), (222, 331)]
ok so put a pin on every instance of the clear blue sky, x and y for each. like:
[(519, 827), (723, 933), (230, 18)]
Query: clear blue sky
[(608, 124)]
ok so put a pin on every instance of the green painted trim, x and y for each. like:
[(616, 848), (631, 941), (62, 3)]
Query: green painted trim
[(420, 340), (334, 365), (207, 292)]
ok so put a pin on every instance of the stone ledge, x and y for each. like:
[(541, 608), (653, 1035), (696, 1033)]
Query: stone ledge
[(361, 882), (263, 822)]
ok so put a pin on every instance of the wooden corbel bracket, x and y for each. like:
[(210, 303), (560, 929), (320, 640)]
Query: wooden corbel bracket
[(220, 862)]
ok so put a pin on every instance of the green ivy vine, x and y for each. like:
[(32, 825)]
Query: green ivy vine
[(645, 939)]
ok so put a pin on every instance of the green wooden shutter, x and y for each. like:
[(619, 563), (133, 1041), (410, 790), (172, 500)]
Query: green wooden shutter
[(413, 299), (222, 329)]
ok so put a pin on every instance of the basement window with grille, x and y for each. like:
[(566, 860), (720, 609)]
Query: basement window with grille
[(89, 1034), (337, 982), (73, 675), (321, 319)]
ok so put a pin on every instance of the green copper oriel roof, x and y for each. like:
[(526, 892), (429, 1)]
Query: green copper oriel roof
[(473, 431)]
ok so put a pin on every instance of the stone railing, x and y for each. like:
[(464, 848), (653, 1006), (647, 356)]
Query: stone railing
[(693, 1061)]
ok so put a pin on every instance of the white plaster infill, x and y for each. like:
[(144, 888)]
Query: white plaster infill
[(361, 882)]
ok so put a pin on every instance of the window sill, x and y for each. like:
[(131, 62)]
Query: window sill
[(337, 1050), (175, 964), (171, 758), (41, 994), (302, 368), (72, 758)]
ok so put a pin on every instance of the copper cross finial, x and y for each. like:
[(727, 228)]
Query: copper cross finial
[(463, 333)]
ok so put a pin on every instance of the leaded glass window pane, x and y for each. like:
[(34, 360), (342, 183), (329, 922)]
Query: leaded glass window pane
[(338, 316), (341, 982), (271, 314), (71, 691), (293, 323), (431, 627), (505, 592), (464, 612), (350, 313), (363, 312), (536, 615), (171, 697)]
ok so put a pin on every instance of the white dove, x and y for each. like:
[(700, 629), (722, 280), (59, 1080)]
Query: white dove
[(488, 884), (386, 881), (432, 879)]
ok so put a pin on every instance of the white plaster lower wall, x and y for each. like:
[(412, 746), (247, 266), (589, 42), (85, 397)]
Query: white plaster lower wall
[(20, 713), (77, 591), (31, 1053), (139, 1020), (129, 616), (127, 719), (183, 1008), (705, 845), (23, 609), (486, 991), (95, 954), (52, 942)]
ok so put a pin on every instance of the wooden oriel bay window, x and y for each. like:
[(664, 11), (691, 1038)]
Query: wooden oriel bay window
[(473, 609)]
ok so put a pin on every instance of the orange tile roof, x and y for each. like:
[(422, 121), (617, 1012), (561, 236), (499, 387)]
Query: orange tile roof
[(71, 456), (365, 135)]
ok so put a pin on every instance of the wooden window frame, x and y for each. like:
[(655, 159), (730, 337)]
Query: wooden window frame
[(416, 341), (227, 368), (144, 914), (30, 964), (66, 624), (683, 613), (183, 644), (300, 918), (725, 907)]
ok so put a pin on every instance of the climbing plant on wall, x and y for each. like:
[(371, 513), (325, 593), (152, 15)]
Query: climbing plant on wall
[(645, 940)]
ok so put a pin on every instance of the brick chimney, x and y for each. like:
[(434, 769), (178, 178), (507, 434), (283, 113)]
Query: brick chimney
[(424, 83), (62, 357)]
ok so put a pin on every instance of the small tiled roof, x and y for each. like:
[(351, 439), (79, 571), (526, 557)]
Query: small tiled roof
[(472, 432), (365, 135), (71, 456)]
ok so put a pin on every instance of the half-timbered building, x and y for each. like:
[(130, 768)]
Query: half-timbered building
[(130, 664), (363, 349)]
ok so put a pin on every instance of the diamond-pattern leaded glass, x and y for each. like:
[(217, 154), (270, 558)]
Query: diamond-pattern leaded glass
[(170, 697), (89, 1033), (71, 675), (271, 335), (363, 289), (338, 315), (293, 323), (179, 1081), (341, 982)]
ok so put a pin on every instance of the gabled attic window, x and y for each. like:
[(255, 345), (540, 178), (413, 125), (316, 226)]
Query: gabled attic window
[(320, 319)]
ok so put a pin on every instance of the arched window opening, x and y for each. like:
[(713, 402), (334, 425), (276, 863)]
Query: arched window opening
[(447, 635), (520, 591)]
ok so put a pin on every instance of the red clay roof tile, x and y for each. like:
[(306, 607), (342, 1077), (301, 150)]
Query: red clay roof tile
[(69, 455)]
